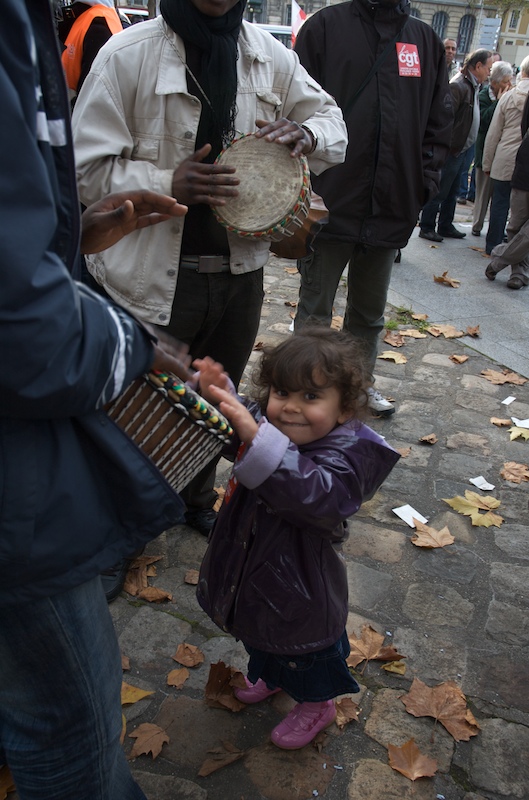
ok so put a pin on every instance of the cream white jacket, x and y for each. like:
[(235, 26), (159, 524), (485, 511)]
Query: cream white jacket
[(134, 122), (504, 135)]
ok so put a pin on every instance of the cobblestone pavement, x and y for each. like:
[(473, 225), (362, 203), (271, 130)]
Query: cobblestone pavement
[(458, 613)]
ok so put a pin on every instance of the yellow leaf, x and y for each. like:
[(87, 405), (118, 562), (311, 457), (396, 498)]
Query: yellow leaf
[(471, 504), (398, 667), (131, 694), (519, 433), (398, 358), (429, 537)]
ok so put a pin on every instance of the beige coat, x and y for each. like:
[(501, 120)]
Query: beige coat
[(134, 122), (504, 135)]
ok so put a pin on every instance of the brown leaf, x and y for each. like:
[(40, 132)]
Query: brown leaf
[(446, 280), (220, 757), (404, 451), (409, 761), (188, 655), (191, 577), (500, 423), (131, 694), (420, 317), (137, 579), (515, 472), (430, 438), (413, 332), (337, 322), (149, 739), (221, 491), (505, 376), (448, 331), (398, 667), (177, 677), (429, 537), (398, 358), (154, 595), (346, 711), (125, 663), (291, 303), (473, 330), (258, 346), (219, 689), (291, 270), (369, 648), (458, 359), (445, 703), (7, 784), (394, 338)]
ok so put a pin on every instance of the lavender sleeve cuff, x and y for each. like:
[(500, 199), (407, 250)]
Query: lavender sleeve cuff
[(263, 456)]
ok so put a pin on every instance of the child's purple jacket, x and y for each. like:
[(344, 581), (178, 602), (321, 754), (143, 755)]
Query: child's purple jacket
[(273, 575)]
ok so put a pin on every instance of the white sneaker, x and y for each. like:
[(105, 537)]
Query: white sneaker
[(378, 404)]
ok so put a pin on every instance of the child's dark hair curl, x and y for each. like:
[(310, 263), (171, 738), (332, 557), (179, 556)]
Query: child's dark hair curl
[(316, 358)]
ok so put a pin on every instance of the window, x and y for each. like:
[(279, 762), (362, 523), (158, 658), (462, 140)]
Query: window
[(465, 33), (440, 23), (515, 19), (509, 43), (414, 12)]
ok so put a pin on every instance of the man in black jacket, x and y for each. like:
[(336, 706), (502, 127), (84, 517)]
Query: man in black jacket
[(399, 129)]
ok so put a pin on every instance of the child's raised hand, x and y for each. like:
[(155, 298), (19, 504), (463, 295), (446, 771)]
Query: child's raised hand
[(238, 415), (211, 373)]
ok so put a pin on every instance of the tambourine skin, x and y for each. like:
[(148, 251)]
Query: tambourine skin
[(274, 190)]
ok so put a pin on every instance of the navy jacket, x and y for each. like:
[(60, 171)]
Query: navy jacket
[(75, 494)]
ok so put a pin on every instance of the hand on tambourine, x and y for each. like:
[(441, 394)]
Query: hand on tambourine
[(210, 373), (170, 355), (106, 222), (236, 413), (284, 131), (195, 182)]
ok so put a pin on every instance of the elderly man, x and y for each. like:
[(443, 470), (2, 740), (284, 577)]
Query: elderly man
[(161, 101), (464, 89), (450, 55)]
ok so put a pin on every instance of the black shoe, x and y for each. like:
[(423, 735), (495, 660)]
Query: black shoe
[(476, 233), (201, 519), (113, 578), (432, 236), (489, 272), (462, 201), (453, 233)]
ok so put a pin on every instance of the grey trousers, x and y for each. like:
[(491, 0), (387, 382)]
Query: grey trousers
[(516, 251), (482, 199), (368, 280)]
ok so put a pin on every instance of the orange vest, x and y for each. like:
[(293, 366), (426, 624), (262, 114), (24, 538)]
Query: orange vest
[(72, 56)]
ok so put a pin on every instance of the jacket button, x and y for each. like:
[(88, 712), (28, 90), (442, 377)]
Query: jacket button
[(292, 665), (162, 316), (232, 589), (171, 272), (188, 135)]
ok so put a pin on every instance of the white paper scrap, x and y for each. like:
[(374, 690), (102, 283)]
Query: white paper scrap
[(520, 423), (481, 483), (291, 329), (408, 514), (508, 401)]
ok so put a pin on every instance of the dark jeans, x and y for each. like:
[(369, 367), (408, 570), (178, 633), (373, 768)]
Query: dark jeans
[(367, 288), (217, 315), (445, 202), (465, 190), (499, 211)]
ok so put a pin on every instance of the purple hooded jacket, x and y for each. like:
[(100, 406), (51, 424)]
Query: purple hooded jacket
[(273, 575)]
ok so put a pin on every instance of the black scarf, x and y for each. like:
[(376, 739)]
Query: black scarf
[(216, 38)]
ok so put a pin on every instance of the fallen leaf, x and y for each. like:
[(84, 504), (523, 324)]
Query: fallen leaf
[(177, 677), (500, 423), (291, 303), (137, 578), (515, 472), (7, 784), (446, 703), (404, 451), (292, 315), (394, 339), (131, 694), (519, 433), (258, 346), (369, 648), (191, 577), (413, 332), (428, 537), (473, 330), (409, 761), (221, 491), (478, 249), (291, 270), (448, 331), (188, 655), (458, 359), (446, 280), (471, 504), (505, 376), (149, 739), (123, 729), (419, 317), (337, 322), (125, 663), (221, 757), (346, 712), (430, 438), (398, 358), (398, 667), (219, 689), (154, 595)]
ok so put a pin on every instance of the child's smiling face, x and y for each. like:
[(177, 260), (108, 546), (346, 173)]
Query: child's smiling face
[(305, 415)]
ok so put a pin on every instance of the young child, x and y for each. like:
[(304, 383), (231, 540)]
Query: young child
[(273, 574)]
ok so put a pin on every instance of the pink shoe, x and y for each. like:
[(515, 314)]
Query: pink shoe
[(303, 723), (255, 692)]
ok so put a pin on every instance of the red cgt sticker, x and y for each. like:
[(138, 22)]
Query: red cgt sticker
[(408, 59)]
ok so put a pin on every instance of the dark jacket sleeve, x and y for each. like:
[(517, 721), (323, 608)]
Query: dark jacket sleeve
[(436, 141), (96, 36)]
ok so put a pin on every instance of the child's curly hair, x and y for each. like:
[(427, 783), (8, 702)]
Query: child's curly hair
[(316, 358)]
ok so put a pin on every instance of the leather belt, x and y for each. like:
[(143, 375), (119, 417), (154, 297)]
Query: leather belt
[(206, 264)]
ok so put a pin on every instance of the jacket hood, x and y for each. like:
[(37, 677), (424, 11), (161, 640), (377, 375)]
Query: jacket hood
[(520, 92)]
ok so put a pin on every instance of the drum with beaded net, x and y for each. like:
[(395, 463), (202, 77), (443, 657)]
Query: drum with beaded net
[(274, 189), (175, 427)]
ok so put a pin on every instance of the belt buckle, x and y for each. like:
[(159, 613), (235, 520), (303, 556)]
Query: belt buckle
[(210, 264)]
